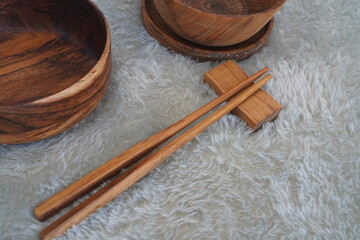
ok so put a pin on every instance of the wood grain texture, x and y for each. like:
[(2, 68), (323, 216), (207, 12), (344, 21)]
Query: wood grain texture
[(142, 168), (156, 27), (55, 61), (257, 109), (217, 22), (109, 169), (230, 7)]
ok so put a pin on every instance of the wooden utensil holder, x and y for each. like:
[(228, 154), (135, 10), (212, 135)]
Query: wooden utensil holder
[(256, 110)]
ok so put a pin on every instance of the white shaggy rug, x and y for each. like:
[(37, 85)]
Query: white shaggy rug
[(296, 178)]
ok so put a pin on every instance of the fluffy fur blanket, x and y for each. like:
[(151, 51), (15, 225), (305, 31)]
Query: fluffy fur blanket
[(296, 178)]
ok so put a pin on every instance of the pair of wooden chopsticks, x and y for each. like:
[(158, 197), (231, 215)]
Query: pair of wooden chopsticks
[(138, 170)]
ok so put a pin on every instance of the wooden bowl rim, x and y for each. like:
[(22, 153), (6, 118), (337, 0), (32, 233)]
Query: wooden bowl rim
[(278, 4), (86, 81)]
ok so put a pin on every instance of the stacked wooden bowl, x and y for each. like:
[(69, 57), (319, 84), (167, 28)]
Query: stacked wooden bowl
[(211, 29), (54, 68)]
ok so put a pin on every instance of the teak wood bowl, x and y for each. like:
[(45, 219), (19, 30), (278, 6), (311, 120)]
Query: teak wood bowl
[(55, 60), (217, 22), (156, 27)]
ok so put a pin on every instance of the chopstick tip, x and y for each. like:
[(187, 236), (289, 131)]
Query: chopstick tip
[(264, 80)]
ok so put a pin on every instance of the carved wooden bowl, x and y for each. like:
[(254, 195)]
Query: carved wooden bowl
[(156, 27), (217, 22), (55, 60)]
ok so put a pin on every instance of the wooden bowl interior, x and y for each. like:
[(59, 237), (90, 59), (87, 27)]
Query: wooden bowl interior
[(46, 46), (231, 7)]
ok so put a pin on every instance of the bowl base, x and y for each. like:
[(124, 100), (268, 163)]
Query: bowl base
[(156, 27)]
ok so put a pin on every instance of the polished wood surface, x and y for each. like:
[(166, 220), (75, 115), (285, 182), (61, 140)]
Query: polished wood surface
[(217, 23), (230, 7), (142, 168), (54, 66), (156, 27), (62, 199), (257, 109)]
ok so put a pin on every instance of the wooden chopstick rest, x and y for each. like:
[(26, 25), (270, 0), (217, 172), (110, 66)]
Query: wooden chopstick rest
[(81, 187), (257, 109), (142, 168)]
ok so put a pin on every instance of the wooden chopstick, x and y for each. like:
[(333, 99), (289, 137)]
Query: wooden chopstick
[(59, 201), (142, 168)]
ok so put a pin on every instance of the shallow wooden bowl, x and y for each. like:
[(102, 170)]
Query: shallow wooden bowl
[(55, 60), (217, 22)]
